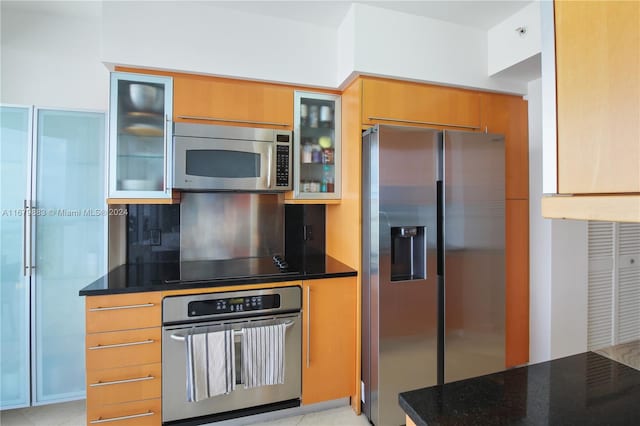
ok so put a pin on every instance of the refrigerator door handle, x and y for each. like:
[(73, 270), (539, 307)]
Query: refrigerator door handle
[(440, 228)]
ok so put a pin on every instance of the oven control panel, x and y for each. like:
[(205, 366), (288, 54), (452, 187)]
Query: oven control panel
[(233, 305)]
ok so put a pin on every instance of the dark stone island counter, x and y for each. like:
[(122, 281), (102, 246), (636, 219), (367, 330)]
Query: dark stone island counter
[(583, 389)]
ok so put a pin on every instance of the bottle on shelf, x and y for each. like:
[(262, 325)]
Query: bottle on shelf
[(325, 116), (316, 154), (327, 180), (313, 116), (307, 150), (304, 115)]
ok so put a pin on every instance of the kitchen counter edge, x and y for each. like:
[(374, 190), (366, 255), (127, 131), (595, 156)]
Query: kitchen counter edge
[(100, 286)]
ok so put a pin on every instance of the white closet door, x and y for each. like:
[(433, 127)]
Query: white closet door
[(601, 290), (614, 283), (628, 272)]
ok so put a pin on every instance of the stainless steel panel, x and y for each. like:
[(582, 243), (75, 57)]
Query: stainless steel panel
[(400, 167), (175, 308), (474, 233), (225, 132), (174, 396), (230, 225)]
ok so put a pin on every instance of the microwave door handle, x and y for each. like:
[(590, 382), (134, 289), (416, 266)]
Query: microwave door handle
[(269, 166)]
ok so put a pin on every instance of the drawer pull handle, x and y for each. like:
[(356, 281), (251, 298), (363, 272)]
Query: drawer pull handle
[(120, 345), (118, 382), (115, 419), (114, 308), (427, 123), (226, 120)]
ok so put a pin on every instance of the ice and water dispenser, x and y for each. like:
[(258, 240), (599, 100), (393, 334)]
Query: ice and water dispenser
[(408, 253)]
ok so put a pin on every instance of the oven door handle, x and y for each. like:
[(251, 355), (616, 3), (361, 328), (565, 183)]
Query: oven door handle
[(181, 338)]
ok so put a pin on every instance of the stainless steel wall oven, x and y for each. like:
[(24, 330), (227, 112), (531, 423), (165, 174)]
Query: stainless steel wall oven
[(229, 310)]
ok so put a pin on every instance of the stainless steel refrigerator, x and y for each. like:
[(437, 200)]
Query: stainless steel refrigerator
[(433, 215)]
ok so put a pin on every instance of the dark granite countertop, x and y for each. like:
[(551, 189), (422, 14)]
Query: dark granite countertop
[(134, 278), (583, 389)]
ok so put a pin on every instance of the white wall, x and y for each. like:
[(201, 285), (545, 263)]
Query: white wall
[(202, 37), (52, 60), (539, 238), (506, 47), (391, 43), (558, 261), (345, 46)]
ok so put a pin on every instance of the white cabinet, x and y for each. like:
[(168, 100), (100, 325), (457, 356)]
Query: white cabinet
[(140, 155), (316, 146)]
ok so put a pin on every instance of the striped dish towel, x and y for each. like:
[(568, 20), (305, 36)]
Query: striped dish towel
[(263, 355), (210, 364)]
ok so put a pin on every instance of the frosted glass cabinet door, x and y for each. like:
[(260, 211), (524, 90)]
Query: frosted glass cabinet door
[(14, 285), (69, 246)]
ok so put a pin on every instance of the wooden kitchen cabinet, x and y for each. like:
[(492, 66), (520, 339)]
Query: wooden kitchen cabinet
[(508, 115), (517, 283), (597, 52), (140, 139), (407, 103), (598, 96), (209, 100), (328, 339), (123, 358)]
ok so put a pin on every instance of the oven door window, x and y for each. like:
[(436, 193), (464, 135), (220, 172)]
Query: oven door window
[(218, 163)]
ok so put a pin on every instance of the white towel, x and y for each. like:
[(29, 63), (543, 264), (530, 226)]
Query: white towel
[(263, 349), (210, 364)]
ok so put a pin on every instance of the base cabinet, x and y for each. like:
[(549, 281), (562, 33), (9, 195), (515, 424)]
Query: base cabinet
[(123, 359), (328, 339)]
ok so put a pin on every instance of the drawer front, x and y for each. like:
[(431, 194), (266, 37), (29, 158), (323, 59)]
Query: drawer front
[(122, 312), (123, 348), (116, 385), (138, 413)]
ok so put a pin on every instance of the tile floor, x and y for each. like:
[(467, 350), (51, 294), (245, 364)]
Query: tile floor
[(73, 414)]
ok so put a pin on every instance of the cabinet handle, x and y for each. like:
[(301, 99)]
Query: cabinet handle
[(114, 308), (24, 237), (308, 325), (115, 419), (428, 123), (269, 168), (117, 382), (225, 120), (121, 345), (166, 160)]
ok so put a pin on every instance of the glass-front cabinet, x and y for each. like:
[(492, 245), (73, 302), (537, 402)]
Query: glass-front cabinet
[(316, 148), (140, 136)]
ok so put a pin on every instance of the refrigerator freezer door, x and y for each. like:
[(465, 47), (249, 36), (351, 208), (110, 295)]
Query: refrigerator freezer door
[(400, 169), (474, 234)]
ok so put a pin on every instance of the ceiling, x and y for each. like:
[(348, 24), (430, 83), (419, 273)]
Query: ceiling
[(480, 14)]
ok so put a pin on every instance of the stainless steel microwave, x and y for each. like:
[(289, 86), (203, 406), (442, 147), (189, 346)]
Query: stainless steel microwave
[(226, 158)]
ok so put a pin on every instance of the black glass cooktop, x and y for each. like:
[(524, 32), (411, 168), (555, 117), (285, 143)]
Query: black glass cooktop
[(204, 270)]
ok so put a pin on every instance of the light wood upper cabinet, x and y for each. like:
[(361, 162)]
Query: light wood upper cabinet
[(202, 99), (328, 339), (508, 115), (598, 96), (406, 103)]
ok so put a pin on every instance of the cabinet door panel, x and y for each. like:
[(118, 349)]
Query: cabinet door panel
[(116, 385), (328, 339), (138, 413), (123, 348), (598, 96), (405, 102), (508, 115), (517, 288), (232, 103), (122, 312)]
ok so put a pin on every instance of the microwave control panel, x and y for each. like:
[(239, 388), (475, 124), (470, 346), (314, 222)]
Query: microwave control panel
[(282, 164), (234, 304)]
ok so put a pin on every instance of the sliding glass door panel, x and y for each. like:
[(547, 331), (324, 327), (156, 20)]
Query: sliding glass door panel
[(69, 245), (15, 125)]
